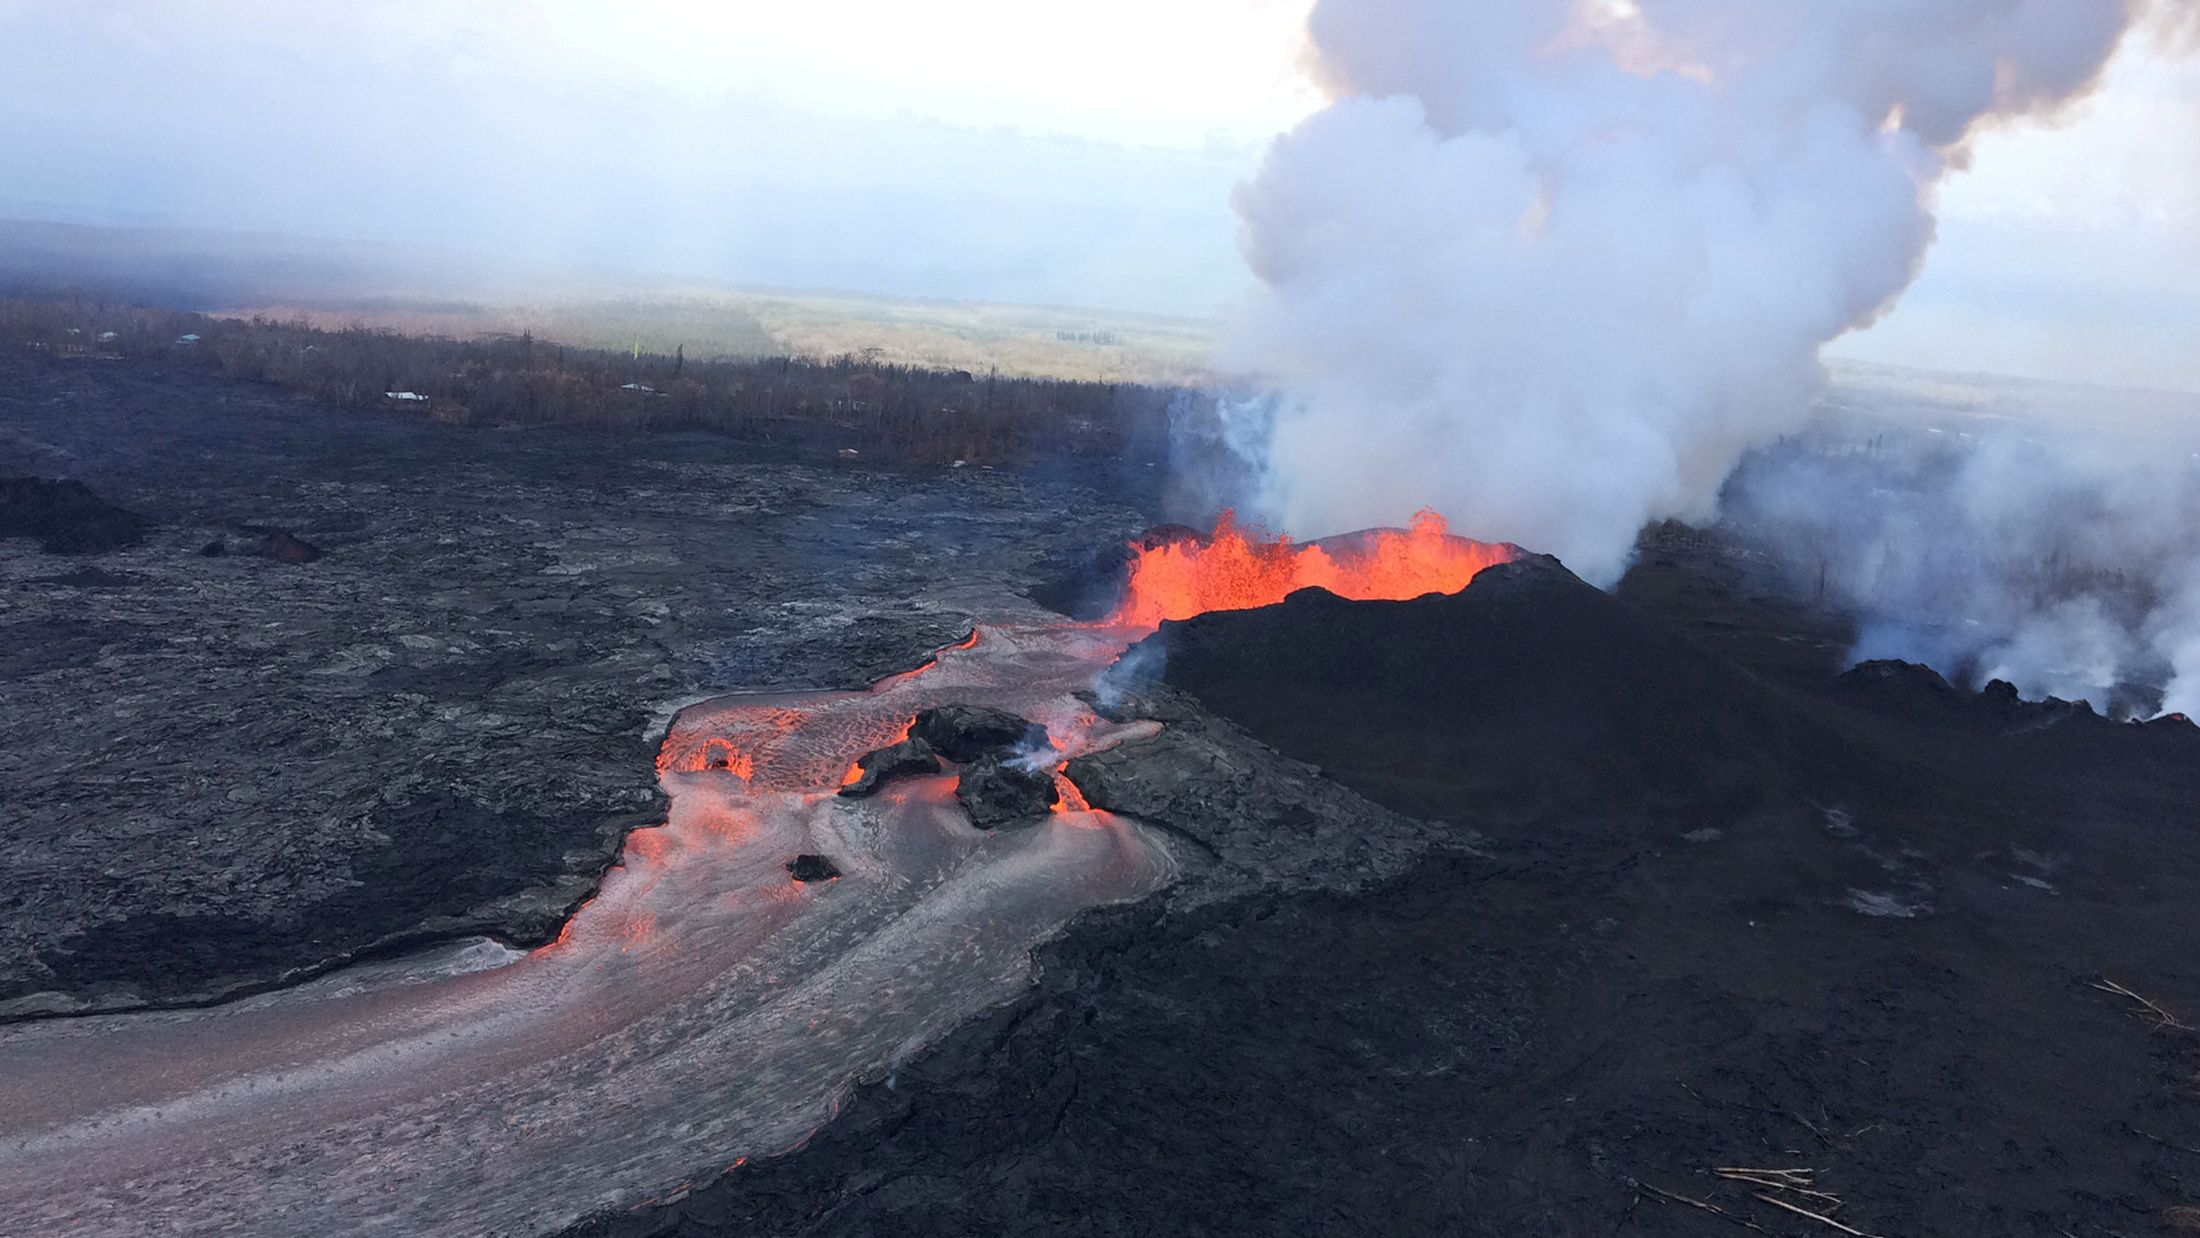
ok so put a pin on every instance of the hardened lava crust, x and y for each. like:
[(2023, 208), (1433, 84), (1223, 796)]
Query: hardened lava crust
[(220, 769)]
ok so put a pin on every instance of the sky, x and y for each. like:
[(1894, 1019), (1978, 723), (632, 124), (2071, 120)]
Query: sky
[(1003, 150), (2070, 250)]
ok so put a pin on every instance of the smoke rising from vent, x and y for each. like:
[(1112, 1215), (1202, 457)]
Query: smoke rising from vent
[(2067, 564), (1551, 267)]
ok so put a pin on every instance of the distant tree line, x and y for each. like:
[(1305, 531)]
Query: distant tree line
[(892, 413)]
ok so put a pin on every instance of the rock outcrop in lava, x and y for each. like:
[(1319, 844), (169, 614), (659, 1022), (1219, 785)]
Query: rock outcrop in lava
[(66, 517), (283, 546), (261, 541), (997, 790), (909, 758), (963, 733), (808, 868)]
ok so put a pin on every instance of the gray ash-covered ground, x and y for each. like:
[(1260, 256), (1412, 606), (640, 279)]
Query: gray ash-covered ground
[(217, 771), (1664, 894)]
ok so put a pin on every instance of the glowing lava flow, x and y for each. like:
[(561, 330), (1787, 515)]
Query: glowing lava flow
[(1231, 570)]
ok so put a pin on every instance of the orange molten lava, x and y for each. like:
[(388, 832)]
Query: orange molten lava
[(1071, 798), (1233, 570)]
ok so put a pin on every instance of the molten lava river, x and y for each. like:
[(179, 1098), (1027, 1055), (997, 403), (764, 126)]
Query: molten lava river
[(703, 1008)]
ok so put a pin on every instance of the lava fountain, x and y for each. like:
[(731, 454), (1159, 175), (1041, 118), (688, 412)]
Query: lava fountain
[(703, 1008), (1233, 570)]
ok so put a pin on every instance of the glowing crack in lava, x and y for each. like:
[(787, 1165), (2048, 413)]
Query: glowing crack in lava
[(1231, 570), (703, 1008)]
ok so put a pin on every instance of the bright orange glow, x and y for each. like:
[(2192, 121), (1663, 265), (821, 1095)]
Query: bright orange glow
[(757, 738), (740, 764), (967, 642), (1234, 570), (1072, 799), (647, 844), (639, 930)]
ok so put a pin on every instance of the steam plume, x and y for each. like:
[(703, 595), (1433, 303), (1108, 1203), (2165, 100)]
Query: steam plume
[(2068, 565), (1551, 267)]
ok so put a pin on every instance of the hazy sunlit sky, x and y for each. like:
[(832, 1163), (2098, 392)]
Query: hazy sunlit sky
[(1014, 150)]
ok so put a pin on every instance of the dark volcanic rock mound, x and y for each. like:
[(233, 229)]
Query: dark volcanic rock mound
[(910, 757), (276, 545), (997, 790), (808, 868), (1529, 690), (285, 547), (66, 517), (963, 733), (1906, 677), (1244, 816)]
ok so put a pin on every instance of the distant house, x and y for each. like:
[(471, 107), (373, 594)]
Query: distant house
[(405, 396), (645, 390)]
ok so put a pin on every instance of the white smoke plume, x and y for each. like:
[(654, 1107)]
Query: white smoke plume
[(2066, 563), (1551, 267)]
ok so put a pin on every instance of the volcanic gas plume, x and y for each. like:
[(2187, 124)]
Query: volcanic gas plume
[(2066, 565), (1552, 266)]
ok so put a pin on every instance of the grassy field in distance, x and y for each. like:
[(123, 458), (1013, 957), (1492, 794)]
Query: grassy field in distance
[(1016, 340)]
